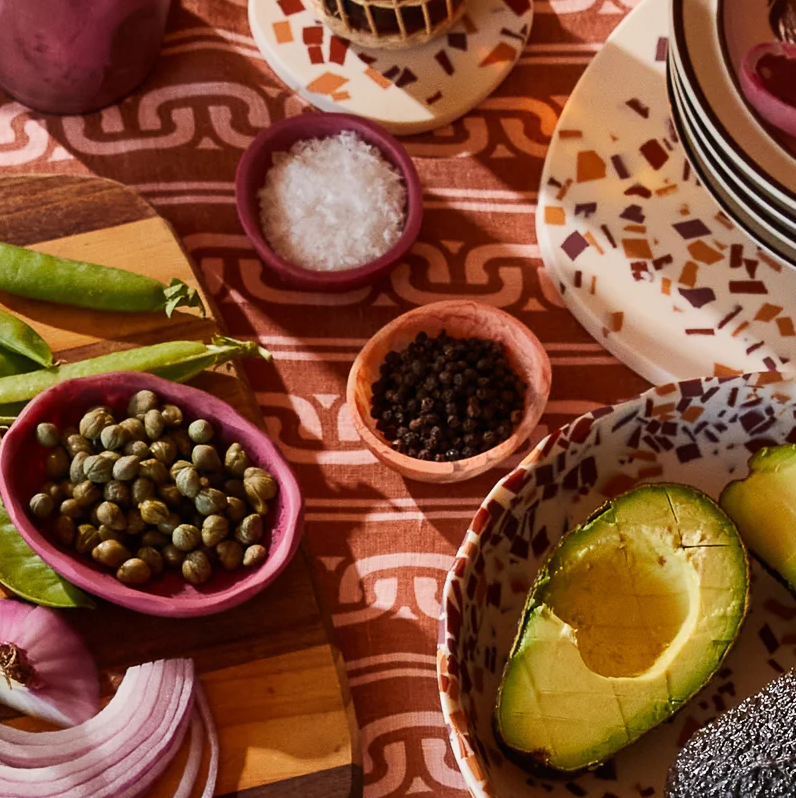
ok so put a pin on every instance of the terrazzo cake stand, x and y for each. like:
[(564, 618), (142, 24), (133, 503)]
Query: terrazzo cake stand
[(640, 252), (408, 91)]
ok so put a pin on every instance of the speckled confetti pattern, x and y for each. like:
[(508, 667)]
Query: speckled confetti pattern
[(408, 91), (699, 432), (638, 249)]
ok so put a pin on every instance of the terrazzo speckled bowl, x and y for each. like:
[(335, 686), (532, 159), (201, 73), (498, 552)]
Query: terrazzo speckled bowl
[(460, 319), (22, 474), (699, 433), (280, 137)]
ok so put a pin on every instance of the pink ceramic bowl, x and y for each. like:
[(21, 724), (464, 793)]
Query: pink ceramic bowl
[(280, 137), (22, 474)]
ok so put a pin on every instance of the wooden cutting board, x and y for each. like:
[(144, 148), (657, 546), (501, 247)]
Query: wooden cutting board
[(274, 680)]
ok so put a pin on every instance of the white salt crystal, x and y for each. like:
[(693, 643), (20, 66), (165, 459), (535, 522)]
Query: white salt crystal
[(332, 204)]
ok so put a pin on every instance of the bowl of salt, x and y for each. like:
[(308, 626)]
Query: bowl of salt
[(330, 202)]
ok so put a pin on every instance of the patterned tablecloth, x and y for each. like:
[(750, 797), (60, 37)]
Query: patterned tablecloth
[(382, 545)]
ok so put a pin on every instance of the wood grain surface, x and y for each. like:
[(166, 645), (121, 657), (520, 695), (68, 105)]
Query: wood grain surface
[(275, 682)]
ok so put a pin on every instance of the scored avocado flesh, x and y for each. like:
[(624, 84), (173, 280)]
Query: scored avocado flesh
[(763, 507), (631, 615)]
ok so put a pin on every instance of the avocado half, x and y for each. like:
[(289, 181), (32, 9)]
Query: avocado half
[(630, 616), (763, 507)]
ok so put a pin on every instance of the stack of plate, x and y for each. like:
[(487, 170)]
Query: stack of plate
[(748, 165)]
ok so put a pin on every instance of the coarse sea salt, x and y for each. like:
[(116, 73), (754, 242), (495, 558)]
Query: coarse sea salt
[(332, 204)]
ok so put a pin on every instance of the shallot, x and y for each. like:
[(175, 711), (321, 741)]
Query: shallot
[(45, 669)]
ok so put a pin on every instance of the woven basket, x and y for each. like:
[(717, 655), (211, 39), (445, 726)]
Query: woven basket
[(389, 24)]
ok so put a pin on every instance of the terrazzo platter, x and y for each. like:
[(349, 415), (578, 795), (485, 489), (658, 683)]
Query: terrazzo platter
[(639, 250), (698, 432), (407, 91)]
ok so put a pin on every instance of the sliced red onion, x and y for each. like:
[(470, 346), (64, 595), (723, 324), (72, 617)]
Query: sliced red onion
[(129, 756), (212, 738), (45, 669), (768, 79), (185, 787)]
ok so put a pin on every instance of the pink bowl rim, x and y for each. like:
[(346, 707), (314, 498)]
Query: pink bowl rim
[(72, 569), (319, 124)]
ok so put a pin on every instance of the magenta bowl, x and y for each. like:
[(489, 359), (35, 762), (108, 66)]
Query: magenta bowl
[(22, 473), (280, 137)]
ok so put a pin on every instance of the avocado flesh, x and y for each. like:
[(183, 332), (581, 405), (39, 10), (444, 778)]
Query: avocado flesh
[(630, 616), (763, 507)]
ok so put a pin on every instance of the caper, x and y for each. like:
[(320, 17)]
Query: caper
[(260, 487), (106, 533), (177, 466), (48, 435), (153, 558), (170, 524), (141, 402), (134, 428), (112, 457), (93, 518), (67, 487), (186, 537), (205, 458), (214, 529), (209, 501), (250, 529), (142, 489), (172, 415), (153, 424), (98, 468), (110, 553), (117, 492), (155, 470), (86, 493), (112, 515), (236, 509), (164, 450), (126, 468), (77, 443), (56, 466), (138, 448), (204, 482), (230, 554), (188, 482), (67, 433), (200, 431), (156, 540), (71, 508), (87, 538), (254, 555), (92, 424), (182, 441), (53, 490), (172, 556), (234, 487), (196, 568), (135, 524), (154, 511), (42, 505), (134, 572), (65, 529), (76, 472), (236, 461), (104, 408), (170, 495), (114, 436)]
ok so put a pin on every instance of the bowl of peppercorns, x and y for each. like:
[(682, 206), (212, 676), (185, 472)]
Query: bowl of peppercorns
[(448, 390)]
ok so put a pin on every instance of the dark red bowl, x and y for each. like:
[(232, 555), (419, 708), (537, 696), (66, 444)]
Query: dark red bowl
[(280, 137), (22, 474)]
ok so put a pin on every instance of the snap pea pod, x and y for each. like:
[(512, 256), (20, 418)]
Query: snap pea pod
[(21, 339), (12, 363), (37, 275), (177, 360), (23, 572)]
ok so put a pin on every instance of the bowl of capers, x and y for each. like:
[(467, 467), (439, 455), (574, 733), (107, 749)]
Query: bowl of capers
[(153, 495)]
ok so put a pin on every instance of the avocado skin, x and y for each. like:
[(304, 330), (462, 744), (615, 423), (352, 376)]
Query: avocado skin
[(536, 763), (748, 752)]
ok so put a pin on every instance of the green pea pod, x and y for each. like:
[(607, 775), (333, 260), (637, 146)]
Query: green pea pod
[(24, 573), (12, 363), (37, 275), (175, 360), (18, 337)]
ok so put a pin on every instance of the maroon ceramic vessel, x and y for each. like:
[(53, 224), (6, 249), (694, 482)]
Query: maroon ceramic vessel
[(280, 137), (22, 474)]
